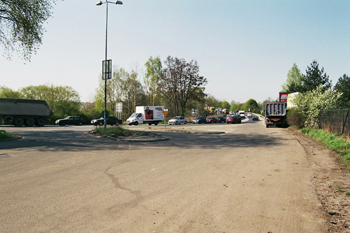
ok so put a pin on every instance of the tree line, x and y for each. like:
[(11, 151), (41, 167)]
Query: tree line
[(316, 93), (178, 86)]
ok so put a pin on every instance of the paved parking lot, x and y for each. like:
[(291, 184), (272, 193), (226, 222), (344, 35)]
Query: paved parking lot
[(248, 179)]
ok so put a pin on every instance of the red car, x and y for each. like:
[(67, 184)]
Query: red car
[(212, 120), (233, 119)]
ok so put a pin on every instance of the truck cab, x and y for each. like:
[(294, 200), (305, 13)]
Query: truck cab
[(135, 119)]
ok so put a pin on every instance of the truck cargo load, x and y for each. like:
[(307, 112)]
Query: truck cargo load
[(24, 112), (146, 114), (275, 114)]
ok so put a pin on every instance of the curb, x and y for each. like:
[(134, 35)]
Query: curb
[(10, 139), (193, 132), (130, 139)]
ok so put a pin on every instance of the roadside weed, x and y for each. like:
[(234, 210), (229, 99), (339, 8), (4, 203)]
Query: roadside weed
[(333, 142), (117, 131), (4, 136)]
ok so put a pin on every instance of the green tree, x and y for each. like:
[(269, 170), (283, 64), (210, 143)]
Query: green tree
[(115, 92), (314, 77), (312, 102), (63, 100), (123, 87), (343, 86), (180, 82), (293, 83), (252, 105), (152, 76), (225, 104), (197, 103), (21, 24), (133, 93), (211, 101), (7, 93)]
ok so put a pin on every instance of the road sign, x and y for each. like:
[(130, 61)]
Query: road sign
[(106, 69), (119, 107), (103, 114)]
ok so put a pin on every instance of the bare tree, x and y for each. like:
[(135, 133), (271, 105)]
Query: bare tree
[(180, 82)]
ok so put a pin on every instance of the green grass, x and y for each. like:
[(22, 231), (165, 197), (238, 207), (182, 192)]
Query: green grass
[(333, 142), (339, 189), (4, 136), (117, 131)]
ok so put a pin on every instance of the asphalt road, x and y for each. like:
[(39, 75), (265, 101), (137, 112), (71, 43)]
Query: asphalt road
[(249, 179)]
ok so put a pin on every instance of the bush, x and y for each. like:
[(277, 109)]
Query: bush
[(295, 118)]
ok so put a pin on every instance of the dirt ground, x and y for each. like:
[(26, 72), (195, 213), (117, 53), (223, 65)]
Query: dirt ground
[(331, 181)]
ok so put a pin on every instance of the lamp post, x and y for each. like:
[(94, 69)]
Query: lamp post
[(106, 64)]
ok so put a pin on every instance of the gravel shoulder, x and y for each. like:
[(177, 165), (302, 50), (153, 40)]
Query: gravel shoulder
[(331, 181)]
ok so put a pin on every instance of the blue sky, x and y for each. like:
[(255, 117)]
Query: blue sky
[(244, 48)]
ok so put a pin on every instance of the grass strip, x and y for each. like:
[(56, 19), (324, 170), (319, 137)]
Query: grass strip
[(333, 142), (120, 132), (5, 136)]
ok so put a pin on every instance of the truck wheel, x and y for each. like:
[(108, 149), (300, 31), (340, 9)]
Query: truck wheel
[(8, 120), (149, 123), (19, 121), (156, 123), (267, 126), (40, 122), (136, 123), (101, 123), (30, 122)]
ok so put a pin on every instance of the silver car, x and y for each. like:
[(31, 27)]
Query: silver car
[(178, 120)]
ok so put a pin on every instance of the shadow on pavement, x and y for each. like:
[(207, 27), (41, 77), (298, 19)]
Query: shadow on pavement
[(70, 140)]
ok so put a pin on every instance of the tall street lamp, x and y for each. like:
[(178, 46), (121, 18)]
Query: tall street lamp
[(106, 64)]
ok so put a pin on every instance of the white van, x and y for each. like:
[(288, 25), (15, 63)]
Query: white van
[(146, 114), (242, 113)]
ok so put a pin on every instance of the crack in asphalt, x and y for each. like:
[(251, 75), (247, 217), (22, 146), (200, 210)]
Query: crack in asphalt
[(137, 194)]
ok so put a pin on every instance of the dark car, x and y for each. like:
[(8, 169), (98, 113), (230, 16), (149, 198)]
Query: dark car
[(221, 119), (70, 120), (255, 118), (233, 119), (212, 120), (199, 120), (110, 121)]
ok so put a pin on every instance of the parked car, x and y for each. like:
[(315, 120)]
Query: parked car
[(178, 120), (199, 120), (233, 119), (70, 120), (255, 118), (212, 120), (110, 121), (250, 114), (221, 119)]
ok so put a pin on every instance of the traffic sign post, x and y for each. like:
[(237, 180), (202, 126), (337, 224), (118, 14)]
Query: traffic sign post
[(107, 69), (119, 110), (105, 114)]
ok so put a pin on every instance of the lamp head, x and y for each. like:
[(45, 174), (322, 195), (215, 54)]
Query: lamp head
[(99, 3), (119, 3)]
